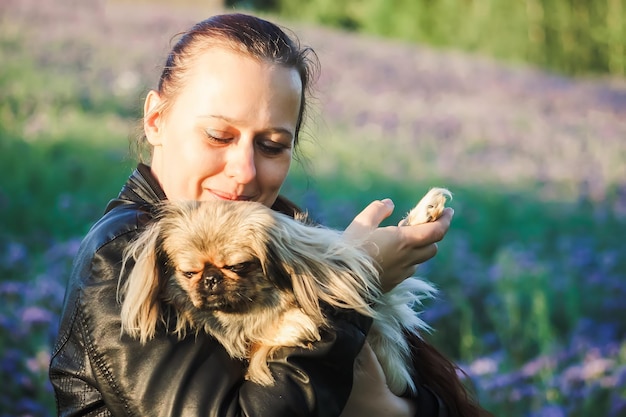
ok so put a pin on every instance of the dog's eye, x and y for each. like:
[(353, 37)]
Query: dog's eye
[(189, 274), (241, 268)]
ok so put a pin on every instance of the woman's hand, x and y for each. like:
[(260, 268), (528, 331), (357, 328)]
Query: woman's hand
[(370, 395), (397, 249)]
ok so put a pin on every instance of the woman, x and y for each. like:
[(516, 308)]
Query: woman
[(223, 123)]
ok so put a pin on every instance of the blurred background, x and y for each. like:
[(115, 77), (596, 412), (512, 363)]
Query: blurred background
[(518, 107)]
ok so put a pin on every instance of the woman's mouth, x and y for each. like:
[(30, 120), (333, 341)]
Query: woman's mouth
[(229, 196)]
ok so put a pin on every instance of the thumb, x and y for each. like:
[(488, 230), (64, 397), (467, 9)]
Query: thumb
[(370, 218)]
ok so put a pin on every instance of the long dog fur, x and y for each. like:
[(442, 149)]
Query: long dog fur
[(286, 269)]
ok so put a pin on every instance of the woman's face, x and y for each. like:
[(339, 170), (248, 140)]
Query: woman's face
[(229, 133)]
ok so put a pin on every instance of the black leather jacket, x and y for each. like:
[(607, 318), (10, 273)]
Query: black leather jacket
[(96, 371)]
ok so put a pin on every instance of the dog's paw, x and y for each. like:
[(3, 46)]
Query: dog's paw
[(429, 208), (260, 377), (258, 369)]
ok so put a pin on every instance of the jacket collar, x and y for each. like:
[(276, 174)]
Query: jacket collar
[(141, 188)]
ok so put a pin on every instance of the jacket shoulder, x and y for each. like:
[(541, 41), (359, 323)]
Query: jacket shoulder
[(121, 220), (99, 257), (101, 251)]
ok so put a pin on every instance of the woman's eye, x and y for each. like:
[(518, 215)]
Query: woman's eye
[(270, 147), (218, 138)]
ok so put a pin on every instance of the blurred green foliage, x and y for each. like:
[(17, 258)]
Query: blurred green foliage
[(568, 36), (62, 148)]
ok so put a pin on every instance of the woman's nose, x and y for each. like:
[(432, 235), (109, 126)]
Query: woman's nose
[(240, 163)]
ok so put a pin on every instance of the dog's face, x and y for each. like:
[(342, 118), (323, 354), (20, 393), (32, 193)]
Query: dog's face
[(220, 259)]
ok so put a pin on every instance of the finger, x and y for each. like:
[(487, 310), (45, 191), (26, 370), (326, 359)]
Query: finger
[(370, 217), (413, 258), (375, 213), (410, 270), (423, 254), (446, 216)]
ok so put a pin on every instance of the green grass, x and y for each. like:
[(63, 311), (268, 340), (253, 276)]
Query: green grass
[(56, 186), (62, 149)]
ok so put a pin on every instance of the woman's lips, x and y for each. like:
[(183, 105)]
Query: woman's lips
[(229, 196)]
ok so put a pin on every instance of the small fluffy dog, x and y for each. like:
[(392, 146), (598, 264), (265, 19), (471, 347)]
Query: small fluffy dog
[(258, 280)]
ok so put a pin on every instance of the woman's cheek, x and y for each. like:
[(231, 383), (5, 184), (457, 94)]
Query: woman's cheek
[(277, 174)]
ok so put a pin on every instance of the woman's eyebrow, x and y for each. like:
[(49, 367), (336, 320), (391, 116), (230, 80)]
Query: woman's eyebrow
[(279, 130)]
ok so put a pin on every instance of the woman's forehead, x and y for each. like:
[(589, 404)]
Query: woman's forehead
[(230, 84)]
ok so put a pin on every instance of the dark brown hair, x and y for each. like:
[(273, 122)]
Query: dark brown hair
[(443, 377), (249, 35)]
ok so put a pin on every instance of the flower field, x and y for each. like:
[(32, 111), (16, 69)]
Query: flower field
[(532, 275)]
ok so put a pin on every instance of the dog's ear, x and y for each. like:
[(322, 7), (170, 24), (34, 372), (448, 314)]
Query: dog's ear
[(274, 267), (139, 291), (322, 266)]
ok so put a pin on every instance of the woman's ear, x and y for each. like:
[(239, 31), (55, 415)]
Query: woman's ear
[(152, 118)]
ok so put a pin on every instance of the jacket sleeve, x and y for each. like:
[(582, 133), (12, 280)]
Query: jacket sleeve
[(97, 371)]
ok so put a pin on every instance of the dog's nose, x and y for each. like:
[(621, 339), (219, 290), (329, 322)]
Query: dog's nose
[(211, 280)]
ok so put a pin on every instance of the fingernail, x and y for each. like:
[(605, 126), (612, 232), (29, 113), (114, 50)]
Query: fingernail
[(387, 201)]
